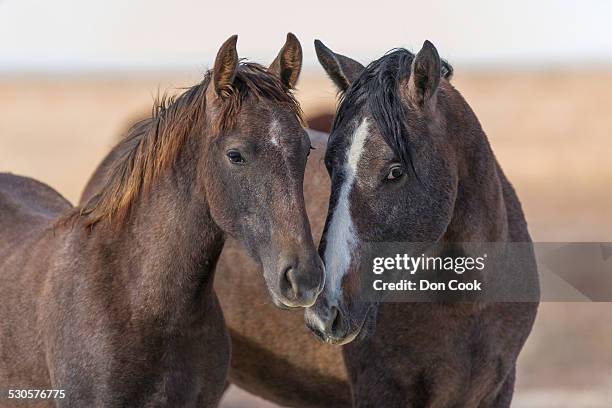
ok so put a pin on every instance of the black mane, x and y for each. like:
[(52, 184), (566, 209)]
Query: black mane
[(377, 91)]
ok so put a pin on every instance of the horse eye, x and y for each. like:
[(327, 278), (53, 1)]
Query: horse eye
[(395, 173), (235, 156)]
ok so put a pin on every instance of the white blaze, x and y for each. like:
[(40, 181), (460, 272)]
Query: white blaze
[(341, 238), (275, 132)]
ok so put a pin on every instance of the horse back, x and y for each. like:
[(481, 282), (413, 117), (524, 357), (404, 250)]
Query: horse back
[(26, 204)]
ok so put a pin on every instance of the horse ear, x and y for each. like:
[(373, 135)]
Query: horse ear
[(226, 64), (424, 75), (342, 70), (288, 63)]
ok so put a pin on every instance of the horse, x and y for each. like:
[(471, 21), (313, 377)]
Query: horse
[(417, 353), (287, 372), (112, 302), (410, 162)]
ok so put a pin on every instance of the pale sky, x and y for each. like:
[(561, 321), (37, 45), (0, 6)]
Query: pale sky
[(73, 35)]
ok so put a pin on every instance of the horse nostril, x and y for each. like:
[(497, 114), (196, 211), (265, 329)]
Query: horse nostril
[(298, 287), (290, 281), (335, 320)]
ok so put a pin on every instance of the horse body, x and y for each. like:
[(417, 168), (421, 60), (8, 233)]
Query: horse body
[(27, 212), (99, 336), (409, 162), (113, 301)]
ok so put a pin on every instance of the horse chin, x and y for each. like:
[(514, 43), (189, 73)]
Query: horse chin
[(364, 330), (282, 303), (361, 332), (276, 299)]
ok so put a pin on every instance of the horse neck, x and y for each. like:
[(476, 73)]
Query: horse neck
[(480, 209), (166, 251)]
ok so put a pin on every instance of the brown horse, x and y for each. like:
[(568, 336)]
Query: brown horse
[(113, 302), (292, 371), (420, 354)]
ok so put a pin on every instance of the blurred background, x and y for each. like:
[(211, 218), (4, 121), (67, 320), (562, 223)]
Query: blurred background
[(74, 75)]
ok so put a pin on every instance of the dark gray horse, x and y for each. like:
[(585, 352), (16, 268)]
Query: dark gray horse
[(409, 162)]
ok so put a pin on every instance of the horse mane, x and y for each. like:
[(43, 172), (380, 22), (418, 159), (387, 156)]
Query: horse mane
[(377, 90), (153, 144)]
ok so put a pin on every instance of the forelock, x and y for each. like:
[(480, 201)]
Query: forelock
[(377, 92)]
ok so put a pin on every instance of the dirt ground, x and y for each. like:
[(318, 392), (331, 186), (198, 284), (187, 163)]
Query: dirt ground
[(552, 133)]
